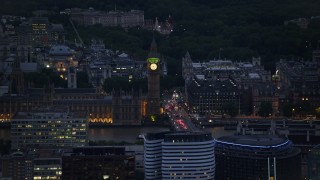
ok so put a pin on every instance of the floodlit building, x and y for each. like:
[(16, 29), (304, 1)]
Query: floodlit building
[(61, 58), (174, 155), (117, 109)]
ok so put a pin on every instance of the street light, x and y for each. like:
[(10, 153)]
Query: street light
[(292, 113)]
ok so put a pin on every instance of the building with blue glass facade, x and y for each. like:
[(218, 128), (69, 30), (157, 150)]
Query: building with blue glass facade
[(251, 157), (179, 155)]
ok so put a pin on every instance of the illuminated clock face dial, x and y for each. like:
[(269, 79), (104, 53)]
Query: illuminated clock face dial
[(153, 66)]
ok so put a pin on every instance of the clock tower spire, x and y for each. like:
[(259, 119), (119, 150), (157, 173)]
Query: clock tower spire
[(153, 68)]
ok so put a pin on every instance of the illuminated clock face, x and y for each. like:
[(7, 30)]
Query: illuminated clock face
[(153, 66), (153, 60)]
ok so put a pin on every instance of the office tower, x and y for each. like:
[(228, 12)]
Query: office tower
[(179, 155), (257, 157), (48, 127)]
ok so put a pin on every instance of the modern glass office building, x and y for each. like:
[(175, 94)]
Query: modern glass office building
[(251, 157), (179, 155)]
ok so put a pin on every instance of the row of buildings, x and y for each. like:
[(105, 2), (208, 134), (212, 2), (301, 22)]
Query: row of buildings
[(89, 17), (117, 107), (165, 155), (211, 85), (52, 142), (89, 162), (195, 155)]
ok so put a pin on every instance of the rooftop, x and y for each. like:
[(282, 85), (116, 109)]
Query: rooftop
[(254, 140), (59, 50), (53, 112)]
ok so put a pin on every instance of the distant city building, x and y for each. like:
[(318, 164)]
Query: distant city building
[(17, 84), (47, 164), (17, 166), (41, 31), (184, 155), (10, 18), (301, 22), (97, 48), (72, 77), (127, 108), (123, 66), (266, 92), (209, 97), (49, 127), (211, 85), (32, 164), (245, 74), (257, 157), (112, 18), (61, 57), (138, 151), (103, 65), (314, 163), (91, 100), (98, 162), (187, 67), (97, 45), (300, 80), (5, 47), (98, 72), (163, 28), (7, 56), (102, 109)]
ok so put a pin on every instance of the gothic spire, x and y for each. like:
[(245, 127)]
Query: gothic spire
[(153, 49), (153, 46)]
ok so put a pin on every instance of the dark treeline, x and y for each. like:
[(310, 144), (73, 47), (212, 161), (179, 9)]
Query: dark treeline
[(240, 28)]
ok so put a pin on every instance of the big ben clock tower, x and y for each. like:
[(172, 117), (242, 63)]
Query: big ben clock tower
[(153, 68)]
